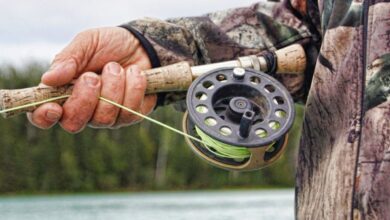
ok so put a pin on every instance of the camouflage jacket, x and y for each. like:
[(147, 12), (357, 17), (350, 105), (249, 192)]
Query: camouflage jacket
[(344, 157)]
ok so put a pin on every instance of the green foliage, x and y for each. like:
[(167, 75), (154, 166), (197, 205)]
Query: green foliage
[(141, 157)]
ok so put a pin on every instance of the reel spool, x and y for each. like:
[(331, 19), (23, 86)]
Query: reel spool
[(241, 115)]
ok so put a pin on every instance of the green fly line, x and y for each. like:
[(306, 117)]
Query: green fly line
[(221, 149), (34, 104), (214, 146)]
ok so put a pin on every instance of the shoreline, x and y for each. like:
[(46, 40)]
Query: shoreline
[(140, 191)]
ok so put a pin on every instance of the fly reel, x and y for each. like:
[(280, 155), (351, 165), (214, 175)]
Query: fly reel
[(242, 117)]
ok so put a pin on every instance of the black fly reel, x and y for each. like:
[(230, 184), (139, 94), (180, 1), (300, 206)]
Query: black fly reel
[(242, 117)]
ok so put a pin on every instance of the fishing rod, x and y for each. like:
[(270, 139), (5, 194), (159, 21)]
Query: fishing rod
[(238, 116)]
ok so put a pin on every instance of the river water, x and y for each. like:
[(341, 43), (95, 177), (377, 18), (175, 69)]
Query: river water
[(192, 205)]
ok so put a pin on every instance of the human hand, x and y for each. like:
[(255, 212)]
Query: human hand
[(117, 56)]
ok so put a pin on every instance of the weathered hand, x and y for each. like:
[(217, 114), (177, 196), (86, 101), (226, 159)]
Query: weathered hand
[(117, 56)]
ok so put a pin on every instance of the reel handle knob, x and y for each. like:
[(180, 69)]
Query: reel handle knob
[(246, 123), (238, 73)]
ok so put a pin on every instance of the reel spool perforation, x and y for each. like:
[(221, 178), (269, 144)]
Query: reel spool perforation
[(249, 110)]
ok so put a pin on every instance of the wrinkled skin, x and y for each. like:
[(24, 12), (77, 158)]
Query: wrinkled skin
[(100, 62)]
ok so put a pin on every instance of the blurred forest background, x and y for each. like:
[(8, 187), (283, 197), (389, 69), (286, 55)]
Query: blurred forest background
[(141, 157)]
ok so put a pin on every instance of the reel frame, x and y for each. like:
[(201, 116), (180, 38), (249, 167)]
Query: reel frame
[(219, 91)]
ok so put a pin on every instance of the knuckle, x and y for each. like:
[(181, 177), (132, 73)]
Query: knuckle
[(89, 35), (85, 33)]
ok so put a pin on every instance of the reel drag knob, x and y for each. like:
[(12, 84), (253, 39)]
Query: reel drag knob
[(242, 117)]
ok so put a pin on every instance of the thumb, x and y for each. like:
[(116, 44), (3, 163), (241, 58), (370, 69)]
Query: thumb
[(60, 73), (72, 59)]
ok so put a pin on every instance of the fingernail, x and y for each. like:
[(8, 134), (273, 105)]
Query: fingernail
[(52, 115), (91, 80), (114, 68)]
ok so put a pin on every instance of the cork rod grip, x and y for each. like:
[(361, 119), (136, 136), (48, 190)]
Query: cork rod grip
[(176, 77), (291, 59), (19, 97)]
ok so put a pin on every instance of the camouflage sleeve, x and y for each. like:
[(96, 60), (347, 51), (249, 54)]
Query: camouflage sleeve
[(225, 35)]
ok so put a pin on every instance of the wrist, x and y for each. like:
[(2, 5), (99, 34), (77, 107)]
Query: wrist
[(146, 46)]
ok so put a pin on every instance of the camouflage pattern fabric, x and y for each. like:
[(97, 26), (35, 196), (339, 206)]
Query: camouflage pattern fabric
[(344, 159)]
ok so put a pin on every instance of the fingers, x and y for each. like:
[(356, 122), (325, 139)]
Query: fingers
[(71, 60), (80, 106), (134, 95), (84, 106), (148, 104), (113, 88), (46, 115)]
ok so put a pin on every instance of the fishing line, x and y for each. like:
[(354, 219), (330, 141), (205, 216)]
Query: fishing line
[(152, 120), (222, 149), (217, 147), (34, 104), (214, 146)]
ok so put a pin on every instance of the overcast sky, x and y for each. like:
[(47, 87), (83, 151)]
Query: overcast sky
[(36, 30)]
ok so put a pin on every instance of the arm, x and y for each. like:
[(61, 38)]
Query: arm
[(228, 34), (214, 37)]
